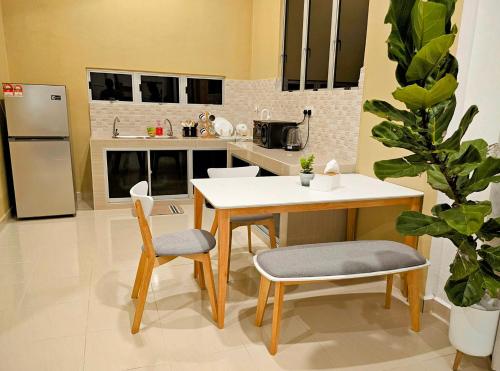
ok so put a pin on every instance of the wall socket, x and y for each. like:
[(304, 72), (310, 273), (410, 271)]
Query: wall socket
[(311, 108)]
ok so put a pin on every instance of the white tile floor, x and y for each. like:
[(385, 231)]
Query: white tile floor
[(65, 305)]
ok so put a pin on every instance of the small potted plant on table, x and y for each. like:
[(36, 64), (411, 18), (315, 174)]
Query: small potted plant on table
[(306, 174)]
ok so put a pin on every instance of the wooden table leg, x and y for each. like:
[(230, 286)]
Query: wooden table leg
[(223, 263), (415, 205), (352, 219), (198, 219)]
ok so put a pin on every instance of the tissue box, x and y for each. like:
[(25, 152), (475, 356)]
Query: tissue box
[(325, 183)]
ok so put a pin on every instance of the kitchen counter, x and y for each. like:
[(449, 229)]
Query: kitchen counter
[(125, 153), (177, 142), (283, 162)]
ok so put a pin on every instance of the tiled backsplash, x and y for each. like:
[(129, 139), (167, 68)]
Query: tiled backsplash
[(334, 124)]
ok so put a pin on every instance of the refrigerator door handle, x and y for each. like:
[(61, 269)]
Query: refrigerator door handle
[(33, 139)]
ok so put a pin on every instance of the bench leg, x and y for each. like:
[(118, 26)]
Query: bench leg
[(388, 291), (264, 287), (413, 278), (279, 291)]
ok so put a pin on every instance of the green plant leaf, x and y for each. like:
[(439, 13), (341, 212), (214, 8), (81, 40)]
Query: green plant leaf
[(429, 58), (415, 97), (437, 209), (410, 166), (440, 117), (490, 229), (466, 292), (491, 280), (487, 172), (465, 262), (389, 112), (428, 22), (453, 142), (491, 284), (491, 254), (450, 9), (413, 223), (394, 135), (467, 219), (437, 180), (399, 16), (468, 158), (396, 49)]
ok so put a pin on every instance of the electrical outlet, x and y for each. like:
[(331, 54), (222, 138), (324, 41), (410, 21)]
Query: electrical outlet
[(310, 108), (256, 109)]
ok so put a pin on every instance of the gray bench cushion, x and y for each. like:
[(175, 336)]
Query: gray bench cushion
[(192, 241), (338, 259)]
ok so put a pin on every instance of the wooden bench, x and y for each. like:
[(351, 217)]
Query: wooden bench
[(296, 265)]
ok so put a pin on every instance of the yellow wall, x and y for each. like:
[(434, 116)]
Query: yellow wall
[(379, 83), (266, 39), (53, 41), (4, 76)]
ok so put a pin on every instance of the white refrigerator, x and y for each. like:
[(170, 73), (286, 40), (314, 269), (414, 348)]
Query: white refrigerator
[(40, 152)]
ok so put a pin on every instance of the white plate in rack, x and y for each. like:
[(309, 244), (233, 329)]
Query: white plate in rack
[(222, 126)]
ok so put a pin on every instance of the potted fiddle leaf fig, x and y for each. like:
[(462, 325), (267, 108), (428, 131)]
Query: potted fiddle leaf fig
[(306, 174), (420, 40)]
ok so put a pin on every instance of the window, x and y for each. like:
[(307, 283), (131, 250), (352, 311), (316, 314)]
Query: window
[(111, 86), (324, 43), (159, 89), (353, 16), (204, 91), (143, 87), (292, 54)]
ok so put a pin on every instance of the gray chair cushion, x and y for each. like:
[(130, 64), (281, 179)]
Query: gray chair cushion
[(251, 218), (192, 241), (338, 258)]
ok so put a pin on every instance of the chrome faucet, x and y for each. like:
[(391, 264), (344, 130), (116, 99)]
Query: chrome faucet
[(115, 130), (170, 132)]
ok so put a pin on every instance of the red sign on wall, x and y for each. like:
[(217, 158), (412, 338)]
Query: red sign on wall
[(8, 90), (18, 90)]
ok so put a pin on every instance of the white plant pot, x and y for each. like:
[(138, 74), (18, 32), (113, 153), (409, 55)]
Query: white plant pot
[(472, 330), (305, 179)]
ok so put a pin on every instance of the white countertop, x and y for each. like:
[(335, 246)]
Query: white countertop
[(287, 162), (232, 193)]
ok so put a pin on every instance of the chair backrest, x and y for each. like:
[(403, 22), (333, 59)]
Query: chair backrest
[(143, 205), (147, 238), (233, 172), (140, 192)]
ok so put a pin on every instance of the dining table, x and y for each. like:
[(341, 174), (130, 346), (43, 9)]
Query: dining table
[(285, 194)]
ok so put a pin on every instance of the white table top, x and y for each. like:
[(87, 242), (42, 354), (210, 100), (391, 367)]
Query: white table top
[(234, 193)]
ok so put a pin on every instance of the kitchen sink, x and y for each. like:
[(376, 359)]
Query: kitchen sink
[(143, 137)]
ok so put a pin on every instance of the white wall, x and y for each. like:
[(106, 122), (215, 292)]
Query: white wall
[(479, 77)]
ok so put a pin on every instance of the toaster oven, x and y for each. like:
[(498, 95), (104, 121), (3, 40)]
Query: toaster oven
[(269, 133)]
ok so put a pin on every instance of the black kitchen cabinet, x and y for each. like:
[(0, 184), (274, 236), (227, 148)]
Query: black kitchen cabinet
[(169, 174), (238, 162), (206, 159), (125, 169)]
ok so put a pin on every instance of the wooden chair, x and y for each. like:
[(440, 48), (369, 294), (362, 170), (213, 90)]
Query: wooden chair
[(193, 244), (266, 220), (331, 261)]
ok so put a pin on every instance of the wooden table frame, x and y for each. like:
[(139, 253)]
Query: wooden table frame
[(224, 217)]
